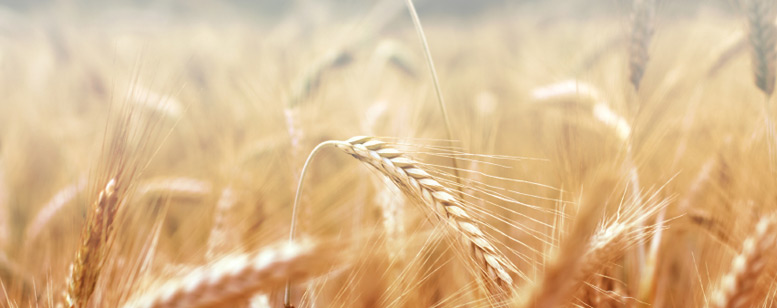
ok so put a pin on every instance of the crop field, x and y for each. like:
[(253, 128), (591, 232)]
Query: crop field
[(388, 153)]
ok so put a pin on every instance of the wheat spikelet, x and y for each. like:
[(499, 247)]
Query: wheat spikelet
[(643, 12), (738, 287), (417, 183), (763, 36), (238, 277), (90, 257)]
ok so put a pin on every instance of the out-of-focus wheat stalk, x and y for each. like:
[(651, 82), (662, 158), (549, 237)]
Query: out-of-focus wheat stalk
[(52, 207), (642, 25)]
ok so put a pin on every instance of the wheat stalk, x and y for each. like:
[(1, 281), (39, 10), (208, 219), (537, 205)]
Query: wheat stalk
[(94, 240), (643, 12), (237, 277), (738, 287), (436, 81)]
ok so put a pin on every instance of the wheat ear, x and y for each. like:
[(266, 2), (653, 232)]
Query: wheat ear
[(763, 36), (738, 288), (417, 183), (642, 16), (237, 277), (90, 256)]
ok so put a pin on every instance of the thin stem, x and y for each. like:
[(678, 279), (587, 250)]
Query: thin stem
[(316, 150), (435, 80)]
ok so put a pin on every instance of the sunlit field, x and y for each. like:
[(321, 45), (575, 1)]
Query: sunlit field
[(388, 153)]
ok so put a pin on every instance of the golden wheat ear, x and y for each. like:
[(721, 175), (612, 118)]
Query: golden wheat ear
[(440, 203), (419, 184), (235, 278)]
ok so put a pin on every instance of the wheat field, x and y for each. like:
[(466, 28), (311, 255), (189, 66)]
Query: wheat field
[(388, 153)]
